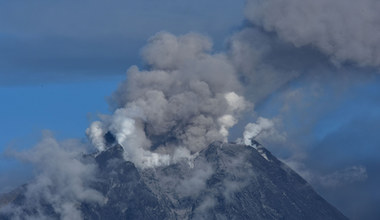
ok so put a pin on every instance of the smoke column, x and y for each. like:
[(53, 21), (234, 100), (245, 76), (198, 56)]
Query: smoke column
[(187, 98)]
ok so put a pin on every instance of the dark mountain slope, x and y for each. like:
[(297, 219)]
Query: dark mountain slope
[(224, 181)]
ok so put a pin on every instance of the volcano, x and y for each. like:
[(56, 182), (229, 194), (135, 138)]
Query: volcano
[(223, 181)]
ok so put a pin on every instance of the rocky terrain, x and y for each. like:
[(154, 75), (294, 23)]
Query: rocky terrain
[(223, 181)]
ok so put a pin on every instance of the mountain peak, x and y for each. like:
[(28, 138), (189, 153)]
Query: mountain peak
[(225, 181)]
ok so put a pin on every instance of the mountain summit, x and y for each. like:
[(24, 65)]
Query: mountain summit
[(223, 181)]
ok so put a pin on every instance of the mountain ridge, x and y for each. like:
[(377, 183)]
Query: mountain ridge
[(224, 181)]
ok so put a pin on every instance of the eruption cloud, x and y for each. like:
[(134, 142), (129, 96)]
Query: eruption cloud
[(188, 98)]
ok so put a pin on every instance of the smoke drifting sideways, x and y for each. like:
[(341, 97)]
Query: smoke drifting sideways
[(344, 30), (188, 98), (293, 45), (300, 40)]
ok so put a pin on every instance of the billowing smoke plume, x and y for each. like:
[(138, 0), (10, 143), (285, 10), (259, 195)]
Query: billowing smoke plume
[(188, 98), (345, 30)]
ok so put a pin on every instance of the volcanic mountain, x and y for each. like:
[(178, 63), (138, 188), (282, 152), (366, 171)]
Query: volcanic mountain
[(223, 181)]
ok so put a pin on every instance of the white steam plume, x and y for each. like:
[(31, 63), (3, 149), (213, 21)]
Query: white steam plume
[(263, 130), (187, 99), (96, 133)]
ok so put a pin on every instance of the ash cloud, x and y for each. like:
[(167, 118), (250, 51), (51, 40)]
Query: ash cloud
[(188, 98), (343, 30)]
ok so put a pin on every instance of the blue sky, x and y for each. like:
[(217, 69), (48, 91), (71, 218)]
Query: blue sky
[(59, 62)]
